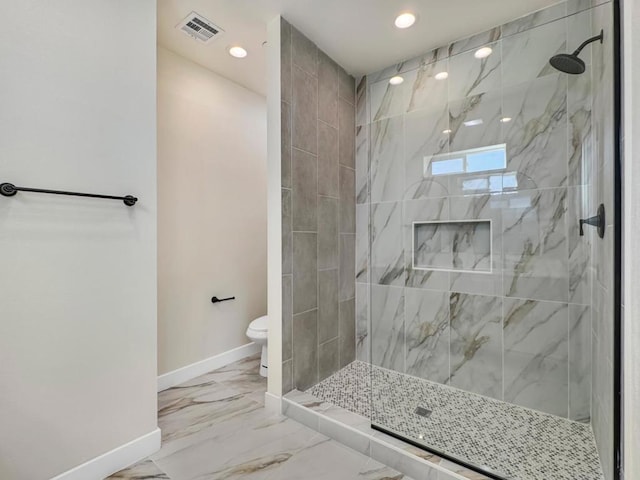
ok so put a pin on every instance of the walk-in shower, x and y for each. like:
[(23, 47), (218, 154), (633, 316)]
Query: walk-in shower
[(484, 260)]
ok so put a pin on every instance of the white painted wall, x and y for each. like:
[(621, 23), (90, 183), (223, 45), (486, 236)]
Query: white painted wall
[(78, 276), (212, 223), (631, 225), (274, 209)]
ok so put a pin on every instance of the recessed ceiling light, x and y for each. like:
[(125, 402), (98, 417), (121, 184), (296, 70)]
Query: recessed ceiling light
[(483, 52), (473, 123), (505, 119), (442, 75), (237, 52), (447, 131), (405, 20), (397, 80)]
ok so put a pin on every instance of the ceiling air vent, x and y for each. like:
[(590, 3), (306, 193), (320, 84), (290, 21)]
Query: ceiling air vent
[(198, 27)]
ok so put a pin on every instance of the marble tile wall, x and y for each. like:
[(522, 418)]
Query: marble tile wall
[(522, 333), (318, 212)]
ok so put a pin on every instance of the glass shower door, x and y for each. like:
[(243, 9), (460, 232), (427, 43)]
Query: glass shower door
[(490, 304)]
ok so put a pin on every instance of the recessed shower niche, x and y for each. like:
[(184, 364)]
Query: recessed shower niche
[(460, 245)]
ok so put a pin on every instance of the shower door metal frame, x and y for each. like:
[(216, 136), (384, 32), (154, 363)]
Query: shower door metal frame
[(617, 243)]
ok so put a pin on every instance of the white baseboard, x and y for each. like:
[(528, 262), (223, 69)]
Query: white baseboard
[(115, 460), (272, 403), (176, 377)]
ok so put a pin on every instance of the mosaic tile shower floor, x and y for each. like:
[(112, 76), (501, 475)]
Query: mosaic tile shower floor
[(513, 441)]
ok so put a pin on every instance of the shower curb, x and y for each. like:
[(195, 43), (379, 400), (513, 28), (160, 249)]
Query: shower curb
[(355, 432)]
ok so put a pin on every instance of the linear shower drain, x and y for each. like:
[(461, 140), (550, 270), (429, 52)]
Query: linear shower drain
[(423, 412)]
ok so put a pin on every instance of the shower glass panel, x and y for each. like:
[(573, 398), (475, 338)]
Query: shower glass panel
[(488, 316)]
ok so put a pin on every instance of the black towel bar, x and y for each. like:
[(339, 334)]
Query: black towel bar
[(9, 190), (218, 300)]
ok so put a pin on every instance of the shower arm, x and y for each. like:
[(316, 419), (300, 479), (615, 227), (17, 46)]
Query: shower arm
[(588, 41)]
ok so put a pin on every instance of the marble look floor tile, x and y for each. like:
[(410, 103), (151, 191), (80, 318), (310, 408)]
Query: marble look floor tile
[(199, 411), (145, 470), (213, 430), (246, 448)]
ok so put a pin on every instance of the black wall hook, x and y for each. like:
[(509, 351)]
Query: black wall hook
[(597, 220), (218, 300)]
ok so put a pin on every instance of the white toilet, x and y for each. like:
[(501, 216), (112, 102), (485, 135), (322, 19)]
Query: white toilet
[(257, 332)]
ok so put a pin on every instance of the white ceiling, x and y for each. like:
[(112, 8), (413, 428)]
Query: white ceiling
[(358, 34)]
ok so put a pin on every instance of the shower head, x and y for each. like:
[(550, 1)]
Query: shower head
[(570, 62)]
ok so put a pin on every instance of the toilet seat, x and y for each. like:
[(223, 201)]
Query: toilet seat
[(259, 325)]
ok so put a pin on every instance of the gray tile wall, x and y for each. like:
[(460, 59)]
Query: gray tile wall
[(524, 332), (318, 212)]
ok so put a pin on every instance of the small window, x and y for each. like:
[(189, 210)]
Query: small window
[(476, 160)]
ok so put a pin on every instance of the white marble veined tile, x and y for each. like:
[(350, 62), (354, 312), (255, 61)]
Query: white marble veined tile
[(536, 136), (476, 343), (580, 132), (525, 56), (535, 19), (580, 362), (312, 464), (362, 243), (362, 101), (475, 121), (145, 470), (362, 164), (574, 6), (432, 209), (428, 58), (411, 64), (470, 76), (242, 449), (387, 327), (386, 153), (363, 324), (427, 334), (485, 207), (424, 90), (536, 355), (387, 254), (475, 41), (386, 100), (580, 258), (534, 245), (426, 135), (579, 29), (385, 73)]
